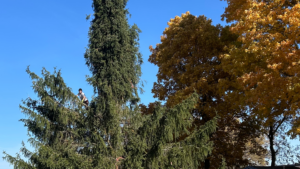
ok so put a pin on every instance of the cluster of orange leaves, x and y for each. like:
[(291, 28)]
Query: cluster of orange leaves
[(188, 61), (268, 63), (258, 70)]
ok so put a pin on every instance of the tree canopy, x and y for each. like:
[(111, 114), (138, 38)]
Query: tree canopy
[(55, 124), (222, 90), (188, 60), (112, 132), (267, 63)]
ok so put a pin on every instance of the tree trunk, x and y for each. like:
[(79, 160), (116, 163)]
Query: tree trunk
[(273, 155), (206, 165)]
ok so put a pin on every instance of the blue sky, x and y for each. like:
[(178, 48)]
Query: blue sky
[(54, 34)]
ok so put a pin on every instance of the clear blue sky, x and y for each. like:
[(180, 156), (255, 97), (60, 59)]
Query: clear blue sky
[(54, 34)]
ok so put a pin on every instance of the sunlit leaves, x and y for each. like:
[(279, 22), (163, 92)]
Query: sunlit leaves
[(188, 61), (266, 64)]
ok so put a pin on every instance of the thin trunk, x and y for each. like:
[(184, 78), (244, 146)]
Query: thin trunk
[(271, 139), (207, 165)]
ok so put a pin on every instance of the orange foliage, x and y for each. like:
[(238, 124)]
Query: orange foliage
[(188, 61), (267, 64)]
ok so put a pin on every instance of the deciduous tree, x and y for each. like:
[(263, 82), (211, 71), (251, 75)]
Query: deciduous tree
[(260, 157), (267, 62), (188, 61)]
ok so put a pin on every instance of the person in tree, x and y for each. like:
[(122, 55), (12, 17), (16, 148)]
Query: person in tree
[(131, 85), (83, 98)]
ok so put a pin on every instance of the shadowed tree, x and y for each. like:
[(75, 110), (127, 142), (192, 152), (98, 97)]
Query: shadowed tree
[(260, 157)]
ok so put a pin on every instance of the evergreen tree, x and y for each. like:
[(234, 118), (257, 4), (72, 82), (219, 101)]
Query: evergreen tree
[(169, 138), (55, 125), (112, 132), (114, 61), (156, 140)]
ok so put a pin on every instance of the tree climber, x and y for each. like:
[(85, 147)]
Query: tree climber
[(131, 85), (83, 98), (117, 161)]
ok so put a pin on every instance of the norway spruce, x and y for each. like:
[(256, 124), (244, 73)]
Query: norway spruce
[(169, 138), (55, 122), (113, 132), (114, 61), (121, 137)]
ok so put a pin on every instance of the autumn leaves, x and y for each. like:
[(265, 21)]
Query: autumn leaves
[(188, 61), (249, 70)]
